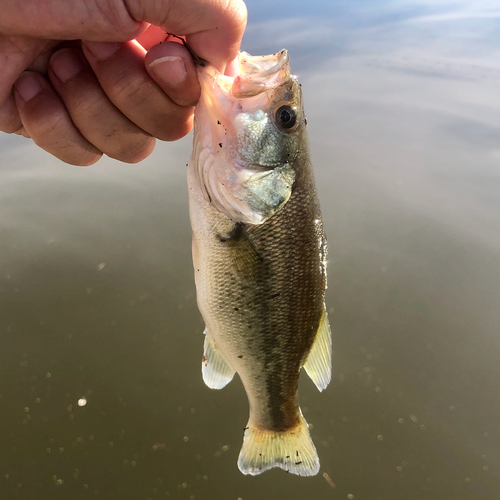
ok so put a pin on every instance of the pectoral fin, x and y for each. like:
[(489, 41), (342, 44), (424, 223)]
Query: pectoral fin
[(318, 364), (215, 370), (244, 256)]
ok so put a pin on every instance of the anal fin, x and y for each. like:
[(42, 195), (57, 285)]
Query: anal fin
[(214, 368), (318, 364)]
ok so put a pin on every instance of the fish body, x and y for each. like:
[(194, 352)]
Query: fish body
[(259, 254)]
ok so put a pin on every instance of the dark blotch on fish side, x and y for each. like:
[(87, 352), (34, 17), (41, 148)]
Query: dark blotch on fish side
[(234, 234), (238, 232)]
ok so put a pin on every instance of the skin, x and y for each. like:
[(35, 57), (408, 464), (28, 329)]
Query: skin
[(83, 78)]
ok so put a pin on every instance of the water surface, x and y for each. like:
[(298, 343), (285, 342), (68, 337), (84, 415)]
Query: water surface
[(97, 299)]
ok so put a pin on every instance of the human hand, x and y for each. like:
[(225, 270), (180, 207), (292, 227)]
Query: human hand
[(121, 87)]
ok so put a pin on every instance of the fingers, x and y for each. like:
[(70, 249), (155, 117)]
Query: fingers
[(10, 121), (162, 107), (214, 29), (118, 111), (171, 66), (95, 116), (69, 20), (47, 122), (82, 121)]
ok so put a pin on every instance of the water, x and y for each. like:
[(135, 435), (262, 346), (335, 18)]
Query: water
[(98, 305)]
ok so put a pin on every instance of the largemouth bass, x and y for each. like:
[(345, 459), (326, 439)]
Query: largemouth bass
[(259, 254)]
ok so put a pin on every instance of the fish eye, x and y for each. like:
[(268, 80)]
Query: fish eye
[(286, 116)]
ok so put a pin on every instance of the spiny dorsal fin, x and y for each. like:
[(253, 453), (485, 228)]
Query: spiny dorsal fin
[(214, 368), (318, 364)]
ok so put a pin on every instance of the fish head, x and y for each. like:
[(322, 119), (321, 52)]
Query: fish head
[(248, 132)]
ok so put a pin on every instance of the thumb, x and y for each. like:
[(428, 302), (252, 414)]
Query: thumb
[(214, 29), (69, 20)]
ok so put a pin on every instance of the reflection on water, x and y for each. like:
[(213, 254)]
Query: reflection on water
[(97, 297)]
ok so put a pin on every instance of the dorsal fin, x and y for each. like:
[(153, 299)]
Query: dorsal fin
[(215, 370), (318, 363)]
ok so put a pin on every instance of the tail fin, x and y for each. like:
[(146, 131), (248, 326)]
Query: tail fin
[(292, 450)]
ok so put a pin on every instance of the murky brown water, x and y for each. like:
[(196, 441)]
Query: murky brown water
[(97, 299)]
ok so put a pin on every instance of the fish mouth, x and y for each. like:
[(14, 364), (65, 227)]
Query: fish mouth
[(252, 75), (259, 73)]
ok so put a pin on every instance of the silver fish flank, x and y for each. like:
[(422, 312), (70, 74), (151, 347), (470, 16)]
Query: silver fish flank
[(259, 254)]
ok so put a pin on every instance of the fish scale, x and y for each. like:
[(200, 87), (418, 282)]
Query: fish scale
[(260, 285)]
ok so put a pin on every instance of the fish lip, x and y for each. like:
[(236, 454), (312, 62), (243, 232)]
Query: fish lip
[(260, 73), (257, 74), (266, 65)]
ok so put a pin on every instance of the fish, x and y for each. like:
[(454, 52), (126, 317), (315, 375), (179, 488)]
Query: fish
[(260, 254)]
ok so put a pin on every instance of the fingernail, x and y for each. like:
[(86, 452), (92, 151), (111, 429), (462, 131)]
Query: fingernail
[(65, 64), (170, 69), (27, 86), (102, 50)]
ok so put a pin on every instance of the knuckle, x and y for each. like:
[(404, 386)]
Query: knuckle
[(10, 126), (88, 105), (44, 128), (134, 151), (86, 160), (115, 19), (132, 88), (10, 122), (240, 13), (175, 127)]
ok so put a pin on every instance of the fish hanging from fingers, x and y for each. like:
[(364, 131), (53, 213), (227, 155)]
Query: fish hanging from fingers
[(260, 254)]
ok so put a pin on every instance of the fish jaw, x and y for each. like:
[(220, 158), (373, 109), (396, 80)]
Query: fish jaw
[(243, 160)]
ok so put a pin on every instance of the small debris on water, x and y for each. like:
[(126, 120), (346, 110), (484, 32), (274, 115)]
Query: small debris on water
[(218, 453), (328, 479), (82, 401)]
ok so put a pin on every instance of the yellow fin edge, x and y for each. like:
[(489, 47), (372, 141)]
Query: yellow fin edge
[(318, 364), (291, 450)]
